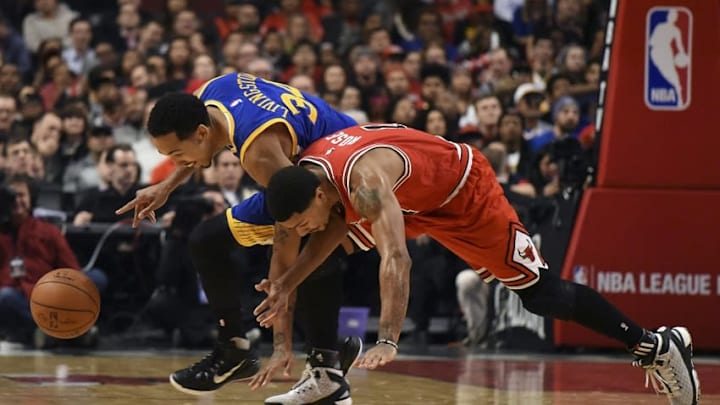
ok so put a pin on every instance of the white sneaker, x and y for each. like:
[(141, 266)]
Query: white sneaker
[(317, 385), (670, 368)]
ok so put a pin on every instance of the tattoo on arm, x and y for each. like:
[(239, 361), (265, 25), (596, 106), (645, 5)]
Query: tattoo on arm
[(280, 234), (367, 201)]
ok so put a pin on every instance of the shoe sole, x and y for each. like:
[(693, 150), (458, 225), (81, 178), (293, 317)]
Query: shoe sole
[(345, 365), (682, 338)]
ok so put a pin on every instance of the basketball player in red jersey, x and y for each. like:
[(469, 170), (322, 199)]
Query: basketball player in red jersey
[(390, 183)]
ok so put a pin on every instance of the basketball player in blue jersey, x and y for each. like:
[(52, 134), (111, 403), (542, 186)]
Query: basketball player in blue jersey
[(264, 124)]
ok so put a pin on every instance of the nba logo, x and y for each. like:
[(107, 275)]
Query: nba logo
[(668, 58), (580, 275)]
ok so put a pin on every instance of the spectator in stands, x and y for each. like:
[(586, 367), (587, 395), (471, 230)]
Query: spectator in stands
[(19, 155), (82, 174), (245, 53), (540, 57), (303, 82), (46, 138), (397, 82), (529, 99), (434, 122), (150, 40), (99, 205), (366, 75), (231, 180), (402, 110), (29, 248), (263, 68), (8, 110), (566, 118), (50, 20), (334, 79), (10, 79), (178, 57), (304, 61), (351, 104), (12, 47), (185, 24), (204, 69), (499, 77), (529, 19), (281, 19), (558, 86), (78, 55), (73, 134), (435, 79), (429, 30), (435, 53), (342, 26), (240, 16), (519, 156), (488, 109)]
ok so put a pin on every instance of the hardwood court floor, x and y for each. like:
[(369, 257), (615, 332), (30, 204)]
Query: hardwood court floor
[(138, 378)]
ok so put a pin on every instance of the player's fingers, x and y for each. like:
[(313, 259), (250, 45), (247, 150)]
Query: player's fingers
[(151, 217), (136, 217), (259, 379), (288, 367), (255, 381), (263, 285), (147, 210), (127, 207), (265, 304)]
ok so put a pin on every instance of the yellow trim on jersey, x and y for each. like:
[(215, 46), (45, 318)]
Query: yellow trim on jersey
[(265, 126), (249, 234), (230, 121), (199, 92)]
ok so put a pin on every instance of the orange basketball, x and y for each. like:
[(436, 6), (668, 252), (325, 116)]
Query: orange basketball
[(65, 303)]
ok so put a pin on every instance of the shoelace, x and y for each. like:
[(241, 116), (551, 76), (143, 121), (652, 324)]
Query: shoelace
[(663, 378), (306, 374), (209, 362)]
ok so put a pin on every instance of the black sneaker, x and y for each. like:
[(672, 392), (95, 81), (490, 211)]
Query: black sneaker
[(224, 364), (349, 352)]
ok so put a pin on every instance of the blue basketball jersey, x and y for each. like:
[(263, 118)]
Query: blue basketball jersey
[(251, 105)]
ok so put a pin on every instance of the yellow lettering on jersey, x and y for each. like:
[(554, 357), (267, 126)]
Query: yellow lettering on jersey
[(294, 101), (255, 98)]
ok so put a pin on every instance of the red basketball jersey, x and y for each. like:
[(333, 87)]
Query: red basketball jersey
[(435, 170), (447, 191)]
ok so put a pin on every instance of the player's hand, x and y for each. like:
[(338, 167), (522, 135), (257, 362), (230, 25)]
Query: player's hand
[(281, 359), (379, 355), (275, 304), (146, 201)]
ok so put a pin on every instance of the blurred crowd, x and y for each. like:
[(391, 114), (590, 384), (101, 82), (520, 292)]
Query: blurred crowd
[(516, 78)]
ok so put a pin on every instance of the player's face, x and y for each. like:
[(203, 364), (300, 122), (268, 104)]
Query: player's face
[(313, 219), (195, 151)]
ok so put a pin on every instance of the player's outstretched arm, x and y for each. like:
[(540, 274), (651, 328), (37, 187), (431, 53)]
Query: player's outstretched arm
[(374, 199), (314, 253), (148, 199), (286, 243)]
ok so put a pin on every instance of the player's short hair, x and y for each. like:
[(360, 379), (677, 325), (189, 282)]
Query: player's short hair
[(177, 112), (290, 191)]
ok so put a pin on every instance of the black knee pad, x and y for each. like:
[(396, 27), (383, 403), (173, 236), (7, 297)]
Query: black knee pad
[(551, 296)]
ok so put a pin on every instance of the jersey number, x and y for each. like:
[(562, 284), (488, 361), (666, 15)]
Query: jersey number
[(295, 101)]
